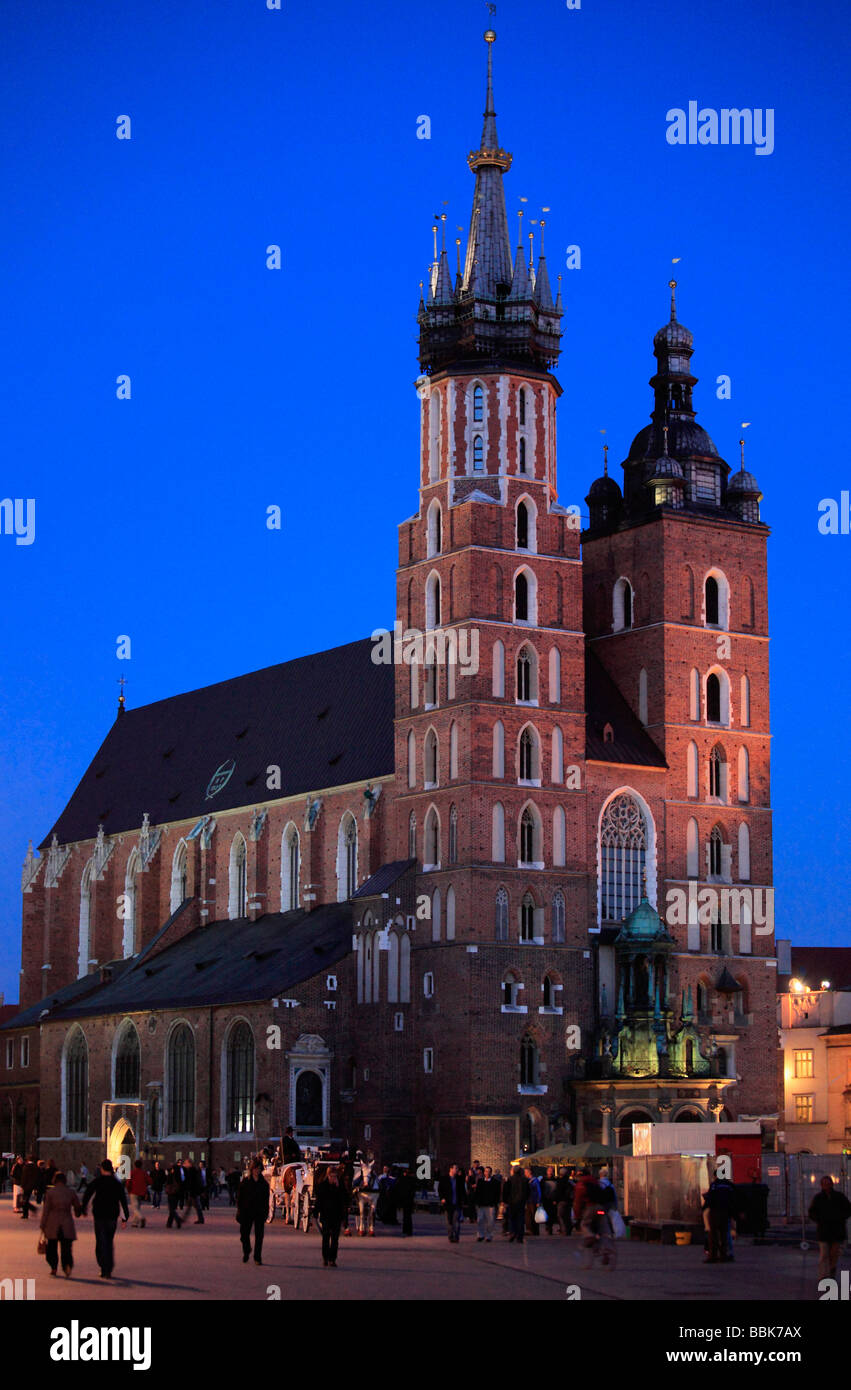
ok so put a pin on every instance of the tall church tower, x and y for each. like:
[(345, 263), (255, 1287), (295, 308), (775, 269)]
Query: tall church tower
[(675, 604), (490, 749)]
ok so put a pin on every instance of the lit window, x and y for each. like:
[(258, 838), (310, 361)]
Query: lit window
[(804, 1110), (804, 1063)]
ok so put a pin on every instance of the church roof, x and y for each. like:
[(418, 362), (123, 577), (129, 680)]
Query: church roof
[(57, 1000), (384, 878), (226, 963), (605, 705), (326, 720)]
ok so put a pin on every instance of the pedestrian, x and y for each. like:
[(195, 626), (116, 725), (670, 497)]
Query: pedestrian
[(452, 1192), (830, 1210), (204, 1181), (17, 1176), (548, 1197), (60, 1206), (385, 1209), (83, 1182), (486, 1197), (584, 1195), (107, 1197), (138, 1189), (718, 1201), (405, 1192), (564, 1203), (332, 1205), (533, 1201), (29, 1183), (232, 1182), (158, 1179), (471, 1177), (173, 1189), (192, 1190), (252, 1208), (517, 1195)]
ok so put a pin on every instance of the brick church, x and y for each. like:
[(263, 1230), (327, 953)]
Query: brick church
[(423, 904)]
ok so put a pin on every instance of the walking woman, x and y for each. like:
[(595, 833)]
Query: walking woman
[(172, 1193), (60, 1207)]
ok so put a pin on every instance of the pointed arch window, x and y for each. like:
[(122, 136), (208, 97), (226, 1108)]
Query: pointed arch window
[(521, 462), (431, 847), (744, 852), (623, 857), (558, 916), (412, 759), (180, 1080), (718, 773), (498, 671), (498, 749), (527, 918), (478, 404), (524, 675), (521, 598), (558, 837), (527, 756), (745, 702), (528, 1062), (501, 915), (178, 889), (77, 1084), (435, 529), (522, 541), (240, 1080), (622, 605), (522, 405), (528, 837), (713, 699), (453, 834), (237, 876), (744, 789), (450, 913), (498, 834), (432, 604), (692, 864), (716, 845), (478, 454), (347, 857), (412, 835), (290, 870), (85, 920), (130, 905), (430, 759), (453, 751), (691, 770), (712, 608), (127, 1064)]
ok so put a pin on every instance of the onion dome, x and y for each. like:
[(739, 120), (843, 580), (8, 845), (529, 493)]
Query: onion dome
[(642, 924), (666, 470), (605, 500), (743, 492)]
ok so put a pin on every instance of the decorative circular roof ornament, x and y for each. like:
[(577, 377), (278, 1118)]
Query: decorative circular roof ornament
[(220, 779)]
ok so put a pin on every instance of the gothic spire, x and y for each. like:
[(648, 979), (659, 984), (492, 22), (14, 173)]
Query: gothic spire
[(488, 263)]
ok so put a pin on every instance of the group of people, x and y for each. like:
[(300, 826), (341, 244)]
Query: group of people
[(525, 1203)]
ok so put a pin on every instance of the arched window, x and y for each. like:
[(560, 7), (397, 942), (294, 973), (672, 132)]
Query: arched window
[(85, 920), (178, 890), (240, 1080), (430, 761), (130, 905), (527, 675), (347, 857), (434, 540), (478, 404), (478, 454), (692, 855), (498, 834), (528, 761), (522, 405), (548, 993), (521, 464), (450, 913), (180, 1080), (642, 696), (745, 702), (510, 990), (528, 1062), (498, 680), (744, 852), (557, 768), (713, 699), (432, 601), (522, 541), (127, 1063), (527, 918), (453, 751), (530, 837), (453, 834), (237, 879), (694, 694), (412, 835), (521, 598), (712, 601), (290, 869), (622, 605), (431, 838), (76, 1083), (498, 749), (623, 856), (412, 759), (501, 915), (436, 918), (558, 916), (558, 837), (718, 773), (309, 1100), (716, 844), (691, 770), (430, 681), (555, 676), (744, 786)]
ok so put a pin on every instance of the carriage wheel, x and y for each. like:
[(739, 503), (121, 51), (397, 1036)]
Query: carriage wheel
[(305, 1213)]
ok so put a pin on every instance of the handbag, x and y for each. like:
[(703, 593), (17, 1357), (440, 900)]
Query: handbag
[(540, 1216), (618, 1224), (42, 1243)]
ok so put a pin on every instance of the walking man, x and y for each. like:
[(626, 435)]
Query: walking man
[(57, 1224), (406, 1191), (332, 1203), (173, 1192), (452, 1192), (107, 1197), (517, 1195), (830, 1211), (486, 1198), (252, 1208), (138, 1189), (29, 1183), (192, 1190)]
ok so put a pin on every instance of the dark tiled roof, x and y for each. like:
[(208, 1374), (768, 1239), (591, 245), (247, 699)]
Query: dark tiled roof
[(325, 720), (384, 877), (604, 705), (60, 998), (812, 964), (228, 963)]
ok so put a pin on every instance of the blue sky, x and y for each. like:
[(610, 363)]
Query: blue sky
[(252, 387)]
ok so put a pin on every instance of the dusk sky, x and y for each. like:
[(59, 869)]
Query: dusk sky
[(253, 387)]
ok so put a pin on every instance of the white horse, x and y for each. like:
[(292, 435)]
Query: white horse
[(366, 1187)]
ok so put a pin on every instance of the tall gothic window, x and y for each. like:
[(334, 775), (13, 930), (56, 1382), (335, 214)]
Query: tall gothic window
[(718, 774), (412, 835), (713, 699), (478, 404), (501, 923), (127, 1063), (240, 1080), (623, 854), (77, 1085), (558, 915), (712, 601), (522, 405), (453, 835), (524, 675), (478, 454), (180, 1073), (351, 851), (527, 837), (522, 526), (528, 1063), (527, 918), (238, 905), (715, 858), (521, 598), (527, 756), (522, 462), (178, 877)]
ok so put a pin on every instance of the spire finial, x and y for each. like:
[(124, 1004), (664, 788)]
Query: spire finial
[(443, 231), (605, 460), (665, 432), (458, 253), (673, 285), (122, 681), (644, 882), (531, 250), (543, 225), (520, 227), (490, 40), (434, 235)]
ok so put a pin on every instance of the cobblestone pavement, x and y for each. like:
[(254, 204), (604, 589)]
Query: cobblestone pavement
[(205, 1262)]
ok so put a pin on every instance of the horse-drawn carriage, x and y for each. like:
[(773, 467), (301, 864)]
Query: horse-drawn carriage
[(293, 1188)]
